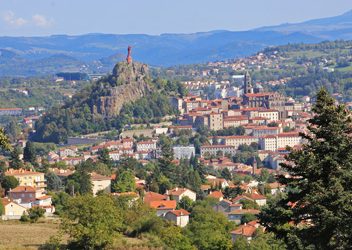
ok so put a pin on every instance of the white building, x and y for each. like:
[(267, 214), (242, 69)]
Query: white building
[(237, 140), (179, 217), (275, 142), (184, 152), (146, 145), (214, 149), (178, 193)]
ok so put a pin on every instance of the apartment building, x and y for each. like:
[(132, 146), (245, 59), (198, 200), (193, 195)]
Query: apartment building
[(236, 140), (28, 178), (275, 142), (214, 149)]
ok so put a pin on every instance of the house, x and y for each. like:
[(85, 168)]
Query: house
[(152, 196), (23, 194), (73, 161), (179, 217), (216, 195), (258, 198), (247, 231), (28, 178), (276, 188), (236, 215), (162, 207), (226, 206), (100, 183), (114, 155), (68, 152), (178, 193), (12, 210), (217, 182), (53, 157), (127, 142), (43, 201), (239, 198)]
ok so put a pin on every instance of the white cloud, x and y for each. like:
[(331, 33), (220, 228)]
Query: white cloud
[(41, 21), (10, 18)]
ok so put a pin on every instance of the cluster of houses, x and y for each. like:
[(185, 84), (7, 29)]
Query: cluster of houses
[(31, 192)]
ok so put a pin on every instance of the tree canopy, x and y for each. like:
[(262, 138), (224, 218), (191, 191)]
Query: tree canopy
[(316, 211)]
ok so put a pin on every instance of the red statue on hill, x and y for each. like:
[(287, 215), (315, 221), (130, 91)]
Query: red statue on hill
[(129, 57)]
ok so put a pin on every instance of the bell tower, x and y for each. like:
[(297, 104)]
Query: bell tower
[(247, 88)]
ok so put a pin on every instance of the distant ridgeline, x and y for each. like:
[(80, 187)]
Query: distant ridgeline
[(128, 95)]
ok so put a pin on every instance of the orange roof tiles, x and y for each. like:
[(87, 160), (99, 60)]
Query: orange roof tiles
[(180, 212), (163, 204), (216, 194), (245, 230), (152, 196), (20, 172), (21, 189)]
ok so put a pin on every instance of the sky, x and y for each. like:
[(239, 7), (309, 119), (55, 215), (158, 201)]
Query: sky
[(48, 17)]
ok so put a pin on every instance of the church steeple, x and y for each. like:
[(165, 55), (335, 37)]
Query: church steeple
[(247, 88)]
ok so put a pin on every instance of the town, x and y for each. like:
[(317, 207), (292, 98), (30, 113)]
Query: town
[(175, 125), (245, 140)]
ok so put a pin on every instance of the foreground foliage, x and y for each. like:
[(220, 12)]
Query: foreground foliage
[(316, 212)]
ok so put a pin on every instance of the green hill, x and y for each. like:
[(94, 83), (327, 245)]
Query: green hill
[(128, 95)]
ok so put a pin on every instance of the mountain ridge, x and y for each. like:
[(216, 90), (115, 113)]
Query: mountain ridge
[(98, 52)]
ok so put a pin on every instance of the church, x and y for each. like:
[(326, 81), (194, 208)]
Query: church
[(256, 98)]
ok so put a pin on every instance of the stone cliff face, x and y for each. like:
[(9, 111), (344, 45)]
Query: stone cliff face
[(130, 84)]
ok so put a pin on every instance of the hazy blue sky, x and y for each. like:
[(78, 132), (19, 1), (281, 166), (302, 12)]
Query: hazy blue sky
[(44, 17)]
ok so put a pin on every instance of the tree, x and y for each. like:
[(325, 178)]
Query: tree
[(226, 174), (208, 229), (91, 222), (315, 212), (29, 154), (13, 130), (9, 182), (248, 204), (2, 209), (54, 183), (125, 182), (60, 200), (230, 193), (241, 243), (15, 161), (4, 140), (104, 157), (79, 182), (173, 238), (35, 213), (247, 218), (185, 203), (263, 241)]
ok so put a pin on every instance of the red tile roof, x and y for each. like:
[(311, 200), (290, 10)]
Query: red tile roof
[(180, 212), (245, 211), (152, 196), (163, 204), (245, 230), (22, 189), (12, 172), (178, 191), (216, 194)]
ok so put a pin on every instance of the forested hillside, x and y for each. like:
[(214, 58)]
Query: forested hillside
[(112, 102)]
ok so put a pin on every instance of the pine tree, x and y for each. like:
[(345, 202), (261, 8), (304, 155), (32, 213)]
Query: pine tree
[(316, 211), (15, 161), (29, 153)]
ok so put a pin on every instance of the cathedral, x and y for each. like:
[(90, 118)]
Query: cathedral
[(256, 98)]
